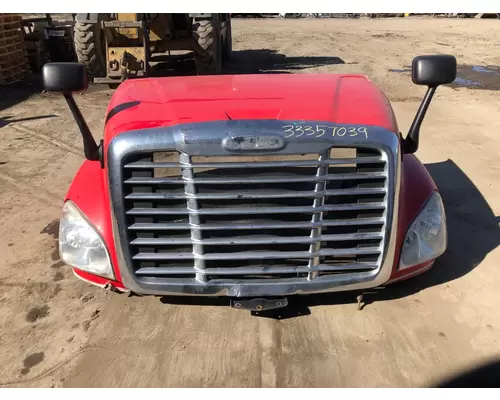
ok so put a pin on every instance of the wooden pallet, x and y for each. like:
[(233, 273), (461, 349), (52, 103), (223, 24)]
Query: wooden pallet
[(11, 48), (11, 37), (14, 58), (10, 17), (14, 66), (14, 27), (9, 20), (15, 77), (14, 63)]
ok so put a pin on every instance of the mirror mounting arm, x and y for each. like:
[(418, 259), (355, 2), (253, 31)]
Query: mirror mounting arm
[(90, 147), (410, 144)]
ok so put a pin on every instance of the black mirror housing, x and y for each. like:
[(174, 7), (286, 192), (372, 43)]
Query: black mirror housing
[(430, 71), (65, 77), (434, 70)]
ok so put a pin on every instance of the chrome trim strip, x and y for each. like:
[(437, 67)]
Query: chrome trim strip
[(253, 179), (263, 225), (261, 240), (258, 270), (194, 218), (255, 194), (305, 163), (206, 139), (318, 203), (254, 255), (256, 210)]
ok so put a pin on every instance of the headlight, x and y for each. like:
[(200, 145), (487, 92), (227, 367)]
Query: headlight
[(426, 238), (80, 245)]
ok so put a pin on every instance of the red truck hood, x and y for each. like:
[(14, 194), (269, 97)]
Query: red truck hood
[(154, 102)]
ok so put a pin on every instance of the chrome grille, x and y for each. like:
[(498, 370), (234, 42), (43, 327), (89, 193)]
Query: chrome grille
[(248, 217)]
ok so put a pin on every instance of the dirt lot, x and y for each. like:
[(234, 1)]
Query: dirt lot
[(58, 331)]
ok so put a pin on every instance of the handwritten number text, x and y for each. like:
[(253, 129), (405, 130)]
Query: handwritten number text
[(324, 130)]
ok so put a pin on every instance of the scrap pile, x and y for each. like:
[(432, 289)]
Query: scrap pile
[(14, 65)]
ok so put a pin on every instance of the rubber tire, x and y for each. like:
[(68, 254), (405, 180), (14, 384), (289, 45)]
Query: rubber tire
[(209, 59), (88, 48), (227, 44)]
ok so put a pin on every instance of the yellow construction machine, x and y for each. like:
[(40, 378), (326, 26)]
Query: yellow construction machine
[(115, 47)]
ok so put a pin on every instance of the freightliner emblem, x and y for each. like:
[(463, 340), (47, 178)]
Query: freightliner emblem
[(253, 143)]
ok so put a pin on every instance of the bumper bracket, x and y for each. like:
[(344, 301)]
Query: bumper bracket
[(259, 303)]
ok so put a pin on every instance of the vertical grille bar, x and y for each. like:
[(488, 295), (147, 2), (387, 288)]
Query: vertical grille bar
[(318, 216), (194, 219), (385, 214)]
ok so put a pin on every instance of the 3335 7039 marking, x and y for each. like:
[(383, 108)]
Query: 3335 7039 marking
[(324, 130)]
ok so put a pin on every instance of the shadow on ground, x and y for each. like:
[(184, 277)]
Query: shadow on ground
[(245, 62), (269, 61), (485, 375), (473, 232), (18, 92), (6, 120)]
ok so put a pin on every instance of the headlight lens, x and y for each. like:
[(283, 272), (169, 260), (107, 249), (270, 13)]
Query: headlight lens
[(426, 238), (80, 245)]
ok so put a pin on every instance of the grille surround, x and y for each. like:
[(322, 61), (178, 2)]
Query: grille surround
[(206, 139)]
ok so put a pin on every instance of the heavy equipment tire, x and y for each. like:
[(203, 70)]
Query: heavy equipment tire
[(208, 57), (227, 43), (89, 49)]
